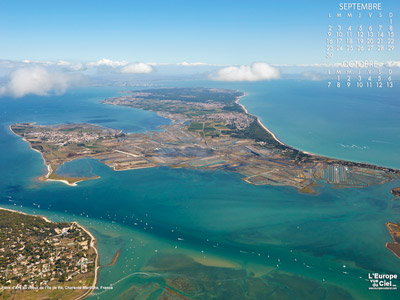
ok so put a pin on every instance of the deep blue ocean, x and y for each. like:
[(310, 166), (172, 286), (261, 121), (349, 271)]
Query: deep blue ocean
[(337, 237)]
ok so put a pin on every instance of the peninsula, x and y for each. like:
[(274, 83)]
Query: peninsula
[(40, 259), (209, 130)]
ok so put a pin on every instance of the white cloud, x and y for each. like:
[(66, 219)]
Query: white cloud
[(184, 64), (308, 65), (77, 67), (43, 63), (122, 66), (193, 64), (70, 65), (38, 80), (139, 68), (108, 63), (254, 72), (63, 63), (154, 64)]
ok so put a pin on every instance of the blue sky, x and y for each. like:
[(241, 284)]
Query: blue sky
[(220, 32), (48, 46)]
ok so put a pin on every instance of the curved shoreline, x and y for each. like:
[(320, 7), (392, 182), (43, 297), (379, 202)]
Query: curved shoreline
[(292, 147), (49, 168), (260, 123), (92, 245), (22, 213), (51, 172), (96, 263), (270, 132)]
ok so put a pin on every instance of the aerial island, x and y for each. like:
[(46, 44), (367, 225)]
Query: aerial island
[(210, 130), (41, 259)]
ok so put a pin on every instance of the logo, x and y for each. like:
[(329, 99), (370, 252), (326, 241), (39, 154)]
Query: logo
[(382, 281)]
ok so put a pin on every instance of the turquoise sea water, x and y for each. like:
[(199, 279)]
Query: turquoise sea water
[(353, 124), (214, 217), (348, 123)]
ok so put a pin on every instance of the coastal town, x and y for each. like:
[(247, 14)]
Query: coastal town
[(40, 256), (209, 130), (77, 133)]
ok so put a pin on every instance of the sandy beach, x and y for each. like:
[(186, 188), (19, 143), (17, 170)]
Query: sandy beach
[(270, 132), (96, 263), (259, 122), (49, 169)]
